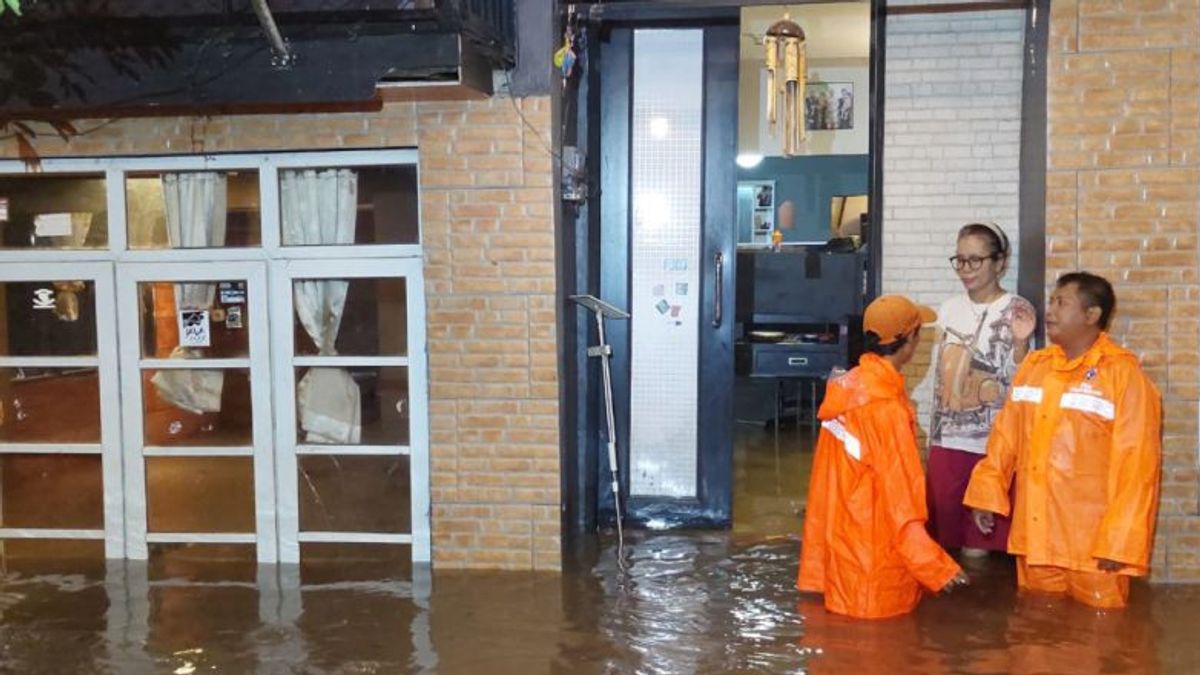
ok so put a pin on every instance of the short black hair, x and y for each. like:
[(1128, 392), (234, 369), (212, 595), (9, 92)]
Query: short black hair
[(1095, 291), (871, 344)]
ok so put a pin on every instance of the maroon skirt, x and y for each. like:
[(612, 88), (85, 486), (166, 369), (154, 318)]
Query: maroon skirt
[(950, 522)]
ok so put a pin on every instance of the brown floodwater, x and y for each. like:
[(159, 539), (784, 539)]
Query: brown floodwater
[(686, 603), (695, 602)]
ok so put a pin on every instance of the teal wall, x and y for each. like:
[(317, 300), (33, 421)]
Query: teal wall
[(809, 183)]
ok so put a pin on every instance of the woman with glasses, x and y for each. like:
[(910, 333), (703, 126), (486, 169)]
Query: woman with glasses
[(983, 335)]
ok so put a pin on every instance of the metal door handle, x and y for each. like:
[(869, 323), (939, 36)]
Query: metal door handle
[(797, 361), (719, 292)]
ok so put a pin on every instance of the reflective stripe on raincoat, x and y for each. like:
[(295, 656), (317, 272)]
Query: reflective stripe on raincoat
[(865, 545), (1083, 439)]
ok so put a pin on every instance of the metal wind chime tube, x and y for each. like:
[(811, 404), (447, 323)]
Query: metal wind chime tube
[(787, 64)]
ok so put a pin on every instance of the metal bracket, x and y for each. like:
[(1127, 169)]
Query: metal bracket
[(601, 350)]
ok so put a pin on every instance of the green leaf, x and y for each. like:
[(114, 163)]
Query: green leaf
[(14, 5)]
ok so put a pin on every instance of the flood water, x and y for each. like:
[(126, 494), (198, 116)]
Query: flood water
[(698, 602), (687, 603)]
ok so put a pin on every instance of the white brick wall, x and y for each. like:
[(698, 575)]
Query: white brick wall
[(952, 124)]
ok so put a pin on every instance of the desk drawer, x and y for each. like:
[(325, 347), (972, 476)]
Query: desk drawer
[(795, 362)]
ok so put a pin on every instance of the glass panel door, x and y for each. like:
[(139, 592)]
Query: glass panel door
[(60, 451), (351, 430), (195, 373)]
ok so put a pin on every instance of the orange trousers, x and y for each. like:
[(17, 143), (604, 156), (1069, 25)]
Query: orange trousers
[(1097, 589)]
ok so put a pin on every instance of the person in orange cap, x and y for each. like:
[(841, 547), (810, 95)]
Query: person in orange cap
[(865, 545), (1081, 434)]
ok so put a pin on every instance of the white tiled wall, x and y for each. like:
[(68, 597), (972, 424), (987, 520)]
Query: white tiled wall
[(952, 123)]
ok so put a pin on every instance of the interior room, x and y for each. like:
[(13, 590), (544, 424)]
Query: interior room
[(802, 259)]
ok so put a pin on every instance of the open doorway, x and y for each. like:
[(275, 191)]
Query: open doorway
[(804, 255), (665, 222)]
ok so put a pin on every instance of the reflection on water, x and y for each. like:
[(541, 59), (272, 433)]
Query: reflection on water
[(689, 603)]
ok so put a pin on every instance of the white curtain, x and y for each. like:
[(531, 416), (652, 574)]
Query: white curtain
[(196, 207), (320, 207)]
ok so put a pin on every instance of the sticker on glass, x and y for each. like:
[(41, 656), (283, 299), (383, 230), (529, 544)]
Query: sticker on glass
[(232, 294), (194, 329), (43, 298), (233, 317)]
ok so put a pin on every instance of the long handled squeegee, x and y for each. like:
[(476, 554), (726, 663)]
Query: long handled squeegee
[(602, 310)]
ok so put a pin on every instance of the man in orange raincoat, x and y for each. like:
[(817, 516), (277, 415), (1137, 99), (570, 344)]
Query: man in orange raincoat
[(1081, 434), (865, 545)]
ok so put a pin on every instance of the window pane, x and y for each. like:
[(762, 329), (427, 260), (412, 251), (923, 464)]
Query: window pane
[(203, 562), (360, 205), (200, 494), (374, 316), (323, 563), (355, 494), (208, 320), (352, 406), (36, 405), (197, 407), (193, 209), (52, 491), (40, 557), (53, 211), (666, 189), (47, 318)]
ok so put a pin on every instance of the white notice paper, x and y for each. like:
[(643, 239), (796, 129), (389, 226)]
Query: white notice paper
[(52, 225), (194, 328)]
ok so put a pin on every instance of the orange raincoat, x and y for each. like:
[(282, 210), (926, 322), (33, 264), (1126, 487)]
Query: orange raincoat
[(1083, 438), (865, 545)]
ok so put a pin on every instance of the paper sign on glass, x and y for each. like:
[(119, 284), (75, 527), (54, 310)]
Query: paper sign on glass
[(52, 225), (194, 328)]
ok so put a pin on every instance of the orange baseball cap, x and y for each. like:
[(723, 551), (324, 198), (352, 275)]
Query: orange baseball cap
[(891, 317)]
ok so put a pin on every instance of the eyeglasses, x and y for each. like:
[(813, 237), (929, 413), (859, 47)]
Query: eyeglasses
[(969, 263)]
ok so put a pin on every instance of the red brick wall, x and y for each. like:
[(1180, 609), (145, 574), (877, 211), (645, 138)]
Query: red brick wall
[(486, 200), (1123, 199)]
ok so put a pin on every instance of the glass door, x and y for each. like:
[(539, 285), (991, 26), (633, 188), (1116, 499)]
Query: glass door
[(195, 377), (668, 190), (351, 431), (60, 449)]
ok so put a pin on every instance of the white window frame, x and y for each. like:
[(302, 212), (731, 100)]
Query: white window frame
[(266, 164), (105, 361), (256, 362), (287, 448), (273, 256)]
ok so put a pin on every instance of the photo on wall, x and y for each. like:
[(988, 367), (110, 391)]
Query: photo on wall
[(829, 106)]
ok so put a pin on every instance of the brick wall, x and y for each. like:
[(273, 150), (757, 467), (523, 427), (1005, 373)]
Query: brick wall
[(486, 202), (1123, 197), (952, 126)]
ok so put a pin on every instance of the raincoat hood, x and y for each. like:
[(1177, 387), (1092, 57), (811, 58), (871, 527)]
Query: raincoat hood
[(874, 379)]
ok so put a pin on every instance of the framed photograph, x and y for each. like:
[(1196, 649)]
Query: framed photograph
[(764, 196), (829, 106)]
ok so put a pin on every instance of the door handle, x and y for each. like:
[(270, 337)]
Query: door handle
[(797, 361), (719, 291)]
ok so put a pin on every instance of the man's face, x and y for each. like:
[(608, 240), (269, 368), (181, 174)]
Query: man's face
[(1067, 317)]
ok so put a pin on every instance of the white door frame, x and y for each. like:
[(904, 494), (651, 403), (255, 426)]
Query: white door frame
[(105, 361), (129, 275), (287, 449)]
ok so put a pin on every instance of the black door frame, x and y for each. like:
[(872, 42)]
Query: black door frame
[(579, 240), (711, 506)]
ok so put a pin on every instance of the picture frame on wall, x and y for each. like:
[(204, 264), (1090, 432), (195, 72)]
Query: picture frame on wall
[(829, 106), (760, 209)]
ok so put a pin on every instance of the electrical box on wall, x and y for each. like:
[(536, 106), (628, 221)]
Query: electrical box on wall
[(574, 181)]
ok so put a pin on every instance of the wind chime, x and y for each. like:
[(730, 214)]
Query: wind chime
[(786, 63)]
